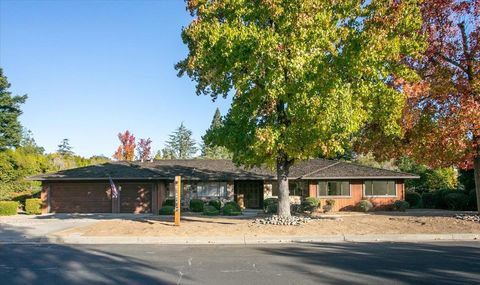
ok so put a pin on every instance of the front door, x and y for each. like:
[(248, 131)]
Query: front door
[(249, 194)]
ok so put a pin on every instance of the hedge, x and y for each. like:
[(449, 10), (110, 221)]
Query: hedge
[(210, 210), (166, 210), (401, 205), (33, 206), (215, 203), (196, 205), (456, 201), (8, 208), (169, 202), (232, 209), (414, 199)]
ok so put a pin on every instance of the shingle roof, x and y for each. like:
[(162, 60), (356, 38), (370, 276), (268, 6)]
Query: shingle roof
[(205, 169)]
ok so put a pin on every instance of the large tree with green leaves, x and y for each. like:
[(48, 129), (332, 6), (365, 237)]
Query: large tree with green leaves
[(306, 76), (180, 145), (10, 127), (210, 150)]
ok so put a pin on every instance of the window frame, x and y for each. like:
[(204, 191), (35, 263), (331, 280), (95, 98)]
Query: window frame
[(335, 196), (379, 196), (219, 184)]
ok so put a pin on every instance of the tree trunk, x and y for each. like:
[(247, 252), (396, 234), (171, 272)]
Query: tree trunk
[(283, 168), (476, 173)]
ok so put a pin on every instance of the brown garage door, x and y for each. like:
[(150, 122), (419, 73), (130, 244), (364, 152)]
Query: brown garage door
[(136, 198), (80, 198)]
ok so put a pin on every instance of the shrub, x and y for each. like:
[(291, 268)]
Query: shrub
[(169, 202), (414, 199), (210, 210), (401, 205), (271, 209), (33, 206), (364, 206), (215, 203), (167, 210), (196, 205), (8, 208), (330, 202), (231, 210), (456, 201), (472, 200), (429, 200), (269, 201), (311, 204), (296, 208), (440, 198), (234, 204)]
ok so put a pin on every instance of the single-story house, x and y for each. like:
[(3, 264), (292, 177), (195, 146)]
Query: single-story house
[(143, 186)]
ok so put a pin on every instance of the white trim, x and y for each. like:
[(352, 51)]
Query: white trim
[(379, 196)]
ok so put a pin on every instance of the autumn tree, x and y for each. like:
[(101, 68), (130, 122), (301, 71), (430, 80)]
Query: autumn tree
[(10, 127), (144, 150), (441, 123), (180, 145), (64, 148), (126, 150), (210, 150), (305, 75)]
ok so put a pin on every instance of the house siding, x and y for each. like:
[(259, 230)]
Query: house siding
[(357, 194)]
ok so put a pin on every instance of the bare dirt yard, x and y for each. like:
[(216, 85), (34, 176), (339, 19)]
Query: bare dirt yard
[(334, 224)]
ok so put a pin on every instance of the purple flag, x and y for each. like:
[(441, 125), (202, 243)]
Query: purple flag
[(113, 188)]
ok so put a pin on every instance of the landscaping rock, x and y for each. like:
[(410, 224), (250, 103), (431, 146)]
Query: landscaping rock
[(468, 217), (283, 221)]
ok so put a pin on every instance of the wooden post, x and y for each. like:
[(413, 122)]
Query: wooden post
[(178, 188)]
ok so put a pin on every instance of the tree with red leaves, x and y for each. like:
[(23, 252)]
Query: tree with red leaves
[(126, 150), (144, 149), (441, 122)]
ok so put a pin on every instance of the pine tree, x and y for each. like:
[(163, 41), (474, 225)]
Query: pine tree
[(64, 148), (210, 150), (181, 145), (10, 127)]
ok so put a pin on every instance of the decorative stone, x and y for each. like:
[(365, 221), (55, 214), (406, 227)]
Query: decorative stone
[(468, 217), (282, 221)]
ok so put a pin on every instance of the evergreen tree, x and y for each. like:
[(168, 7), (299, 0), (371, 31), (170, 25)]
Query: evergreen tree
[(10, 127), (181, 145), (209, 149), (64, 148)]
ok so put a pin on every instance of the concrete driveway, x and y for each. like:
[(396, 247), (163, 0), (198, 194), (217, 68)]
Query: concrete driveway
[(33, 228)]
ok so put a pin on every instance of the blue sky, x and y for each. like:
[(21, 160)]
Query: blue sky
[(94, 68)]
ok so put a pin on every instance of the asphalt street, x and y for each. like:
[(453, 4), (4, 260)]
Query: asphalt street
[(326, 263)]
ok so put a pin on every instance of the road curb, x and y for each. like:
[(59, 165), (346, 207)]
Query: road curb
[(248, 240)]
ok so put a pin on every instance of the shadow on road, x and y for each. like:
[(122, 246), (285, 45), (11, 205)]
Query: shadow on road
[(40, 263), (439, 263)]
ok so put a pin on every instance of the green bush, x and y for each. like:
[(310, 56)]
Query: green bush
[(210, 210), (401, 205), (8, 208), (167, 210), (311, 204), (456, 201), (440, 198), (364, 206), (472, 200), (196, 205), (234, 204), (414, 199), (169, 202), (215, 203), (271, 209), (231, 210), (269, 201), (429, 200), (33, 206)]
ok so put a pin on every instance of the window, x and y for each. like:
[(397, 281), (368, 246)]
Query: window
[(211, 189), (380, 188), (333, 188), (297, 188)]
